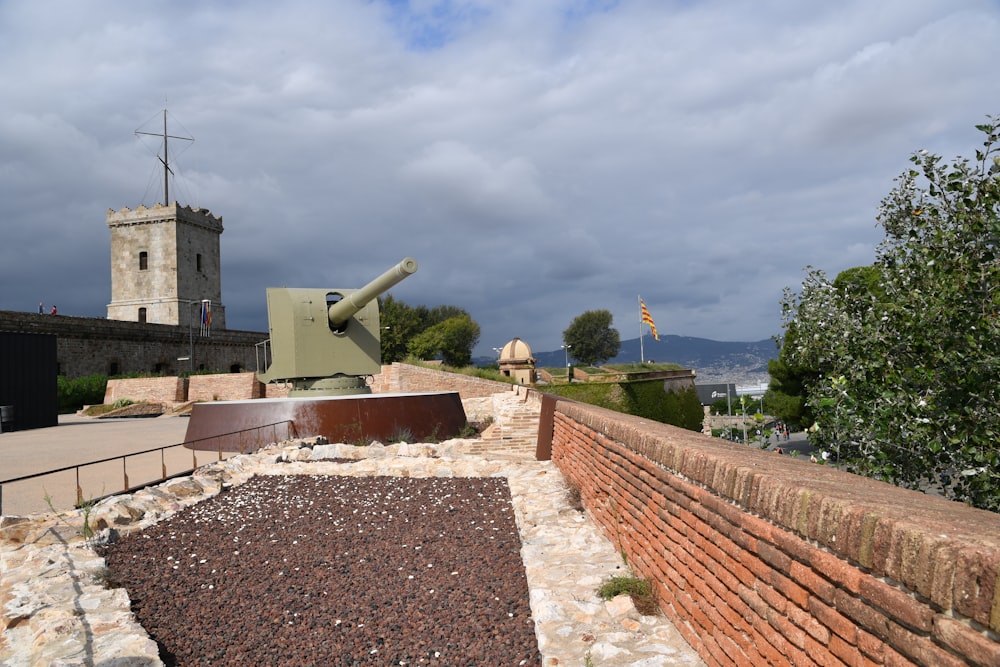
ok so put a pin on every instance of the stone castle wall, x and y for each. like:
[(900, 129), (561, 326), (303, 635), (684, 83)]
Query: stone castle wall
[(88, 345)]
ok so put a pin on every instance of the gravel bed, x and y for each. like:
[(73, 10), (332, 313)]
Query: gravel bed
[(335, 570)]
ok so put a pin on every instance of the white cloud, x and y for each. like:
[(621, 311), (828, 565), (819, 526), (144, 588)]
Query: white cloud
[(538, 158)]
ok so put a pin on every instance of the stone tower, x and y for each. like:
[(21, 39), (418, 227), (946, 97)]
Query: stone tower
[(164, 262)]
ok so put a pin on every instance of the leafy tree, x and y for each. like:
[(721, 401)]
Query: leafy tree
[(452, 339), (907, 354), (787, 408), (439, 314), (402, 324), (860, 283), (786, 394), (591, 337)]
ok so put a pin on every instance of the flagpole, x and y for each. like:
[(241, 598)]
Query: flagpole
[(642, 351)]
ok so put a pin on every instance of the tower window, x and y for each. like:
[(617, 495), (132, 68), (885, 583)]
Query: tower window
[(143, 260), (197, 261), (142, 315)]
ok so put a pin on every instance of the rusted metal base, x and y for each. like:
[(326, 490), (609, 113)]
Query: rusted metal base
[(227, 425)]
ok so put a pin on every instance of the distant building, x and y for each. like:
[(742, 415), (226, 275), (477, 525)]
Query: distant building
[(517, 362)]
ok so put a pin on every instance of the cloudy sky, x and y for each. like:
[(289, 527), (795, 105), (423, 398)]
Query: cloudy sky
[(539, 158)]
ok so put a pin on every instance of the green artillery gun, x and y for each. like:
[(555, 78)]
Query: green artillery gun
[(326, 342)]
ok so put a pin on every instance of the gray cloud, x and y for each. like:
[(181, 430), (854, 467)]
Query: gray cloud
[(539, 159)]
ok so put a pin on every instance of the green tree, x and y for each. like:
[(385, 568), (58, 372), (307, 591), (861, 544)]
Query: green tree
[(591, 337), (401, 324), (790, 376), (906, 386), (452, 339)]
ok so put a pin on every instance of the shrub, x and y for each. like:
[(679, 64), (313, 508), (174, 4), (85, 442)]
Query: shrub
[(78, 392)]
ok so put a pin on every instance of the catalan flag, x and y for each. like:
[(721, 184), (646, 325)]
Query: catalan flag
[(206, 317), (648, 319)]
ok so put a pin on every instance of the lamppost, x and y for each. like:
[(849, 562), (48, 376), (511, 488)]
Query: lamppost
[(498, 350), (743, 411), (566, 350)]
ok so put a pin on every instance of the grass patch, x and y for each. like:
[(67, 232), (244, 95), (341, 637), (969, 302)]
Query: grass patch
[(401, 435), (105, 577), (574, 499), (98, 410), (640, 590), (470, 431), (643, 368), (486, 373)]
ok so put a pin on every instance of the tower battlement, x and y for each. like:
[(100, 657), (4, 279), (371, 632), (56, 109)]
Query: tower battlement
[(143, 215)]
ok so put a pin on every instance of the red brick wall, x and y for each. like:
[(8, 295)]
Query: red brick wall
[(277, 389), (244, 386), (224, 387), (404, 378), (153, 389), (766, 559)]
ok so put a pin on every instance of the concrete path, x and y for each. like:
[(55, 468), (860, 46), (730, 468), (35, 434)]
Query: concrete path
[(77, 440)]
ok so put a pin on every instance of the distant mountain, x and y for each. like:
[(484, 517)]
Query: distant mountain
[(712, 360)]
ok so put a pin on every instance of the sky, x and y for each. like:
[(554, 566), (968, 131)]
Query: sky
[(538, 158)]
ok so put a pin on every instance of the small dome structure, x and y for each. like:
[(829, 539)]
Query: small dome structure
[(516, 361), (516, 350)]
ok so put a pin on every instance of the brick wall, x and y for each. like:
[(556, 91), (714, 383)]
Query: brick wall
[(155, 390), (227, 387), (766, 559), (403, 378), (170, 390)]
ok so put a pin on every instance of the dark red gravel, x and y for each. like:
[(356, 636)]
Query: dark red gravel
[(335, 570)]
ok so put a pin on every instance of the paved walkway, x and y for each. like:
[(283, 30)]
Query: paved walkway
[(77, 440)]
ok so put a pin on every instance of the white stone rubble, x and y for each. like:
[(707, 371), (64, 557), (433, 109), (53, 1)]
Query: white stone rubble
[(55, 610)]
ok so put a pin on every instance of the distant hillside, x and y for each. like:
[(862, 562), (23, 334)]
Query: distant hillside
[(712, 360)]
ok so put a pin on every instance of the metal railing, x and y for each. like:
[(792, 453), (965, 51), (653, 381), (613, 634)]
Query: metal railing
[(127, 487)]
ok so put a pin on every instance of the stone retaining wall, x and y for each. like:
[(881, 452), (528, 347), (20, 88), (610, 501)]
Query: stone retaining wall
[(765, 559)]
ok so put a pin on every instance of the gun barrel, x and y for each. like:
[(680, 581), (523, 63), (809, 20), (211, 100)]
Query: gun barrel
[(344, 309)]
